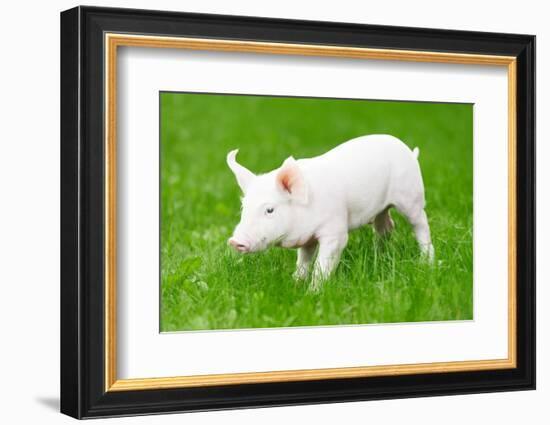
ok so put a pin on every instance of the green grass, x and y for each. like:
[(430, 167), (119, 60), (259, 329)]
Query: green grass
[(207, 286)]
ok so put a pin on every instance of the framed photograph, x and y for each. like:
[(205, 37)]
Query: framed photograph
[(261, 212)]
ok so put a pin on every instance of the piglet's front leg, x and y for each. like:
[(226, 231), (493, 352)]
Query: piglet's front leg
[(304, 260), (330, 249)]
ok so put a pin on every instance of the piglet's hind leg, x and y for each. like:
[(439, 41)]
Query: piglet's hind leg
[(419, 221)]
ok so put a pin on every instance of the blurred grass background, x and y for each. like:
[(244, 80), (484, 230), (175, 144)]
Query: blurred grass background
[(204, 285)]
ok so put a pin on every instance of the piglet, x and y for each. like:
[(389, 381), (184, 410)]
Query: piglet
[(311, 204)]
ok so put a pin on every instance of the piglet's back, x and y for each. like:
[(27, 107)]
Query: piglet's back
[(364, 173)]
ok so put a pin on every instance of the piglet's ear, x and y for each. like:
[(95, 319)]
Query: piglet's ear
[(290, 180), (243, 175)]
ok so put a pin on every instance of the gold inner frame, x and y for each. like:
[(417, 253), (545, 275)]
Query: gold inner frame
[(113, 41)]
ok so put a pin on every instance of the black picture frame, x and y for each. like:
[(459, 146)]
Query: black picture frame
[(82, 218)]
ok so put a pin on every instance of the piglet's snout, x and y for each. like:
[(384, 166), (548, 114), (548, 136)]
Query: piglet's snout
[(239, 245)]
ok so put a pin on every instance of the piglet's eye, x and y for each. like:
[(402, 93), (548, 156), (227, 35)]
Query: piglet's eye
[(269, 210)]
